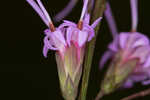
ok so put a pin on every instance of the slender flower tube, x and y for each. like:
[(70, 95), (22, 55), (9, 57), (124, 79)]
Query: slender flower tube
[(130, 53), (68, 40)]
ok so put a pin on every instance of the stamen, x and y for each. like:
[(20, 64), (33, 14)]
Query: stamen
[(84, 9), (110, 20), (63, 13), (134, 14), (44, 11), (38, 10)]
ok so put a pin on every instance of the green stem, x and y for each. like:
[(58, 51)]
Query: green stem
[(98, 10)]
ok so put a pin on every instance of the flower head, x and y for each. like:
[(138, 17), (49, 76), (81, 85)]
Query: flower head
[(133, 49), (60, 38), (68, 40)]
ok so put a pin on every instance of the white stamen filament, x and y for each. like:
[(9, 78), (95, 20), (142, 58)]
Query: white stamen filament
[(44, 11), (134, 14), (38, 10), (84, 9), (110, 20)]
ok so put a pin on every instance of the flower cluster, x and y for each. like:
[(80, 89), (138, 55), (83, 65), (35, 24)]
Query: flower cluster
[(133, 45), (68, 40), (60, 38)]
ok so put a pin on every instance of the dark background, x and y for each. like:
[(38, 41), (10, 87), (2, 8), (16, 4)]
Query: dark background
[(24, 75)]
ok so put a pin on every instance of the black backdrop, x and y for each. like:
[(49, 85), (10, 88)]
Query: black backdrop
[(24, 75)]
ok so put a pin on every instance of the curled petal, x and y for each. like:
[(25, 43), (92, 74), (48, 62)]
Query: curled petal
[(87, 19), (96, 22), (142, 53), (147, 62), (147, 82), (141, 41), (128, 83), (91, 35), (47, 32), (138, 78), (57, 35), (69, 34), (123, 37), (114, 45), (82, 38), (67, 24), (49, 43), (45, 51), (107, 55), (90, 31)]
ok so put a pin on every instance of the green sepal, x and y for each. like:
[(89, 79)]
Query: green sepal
[(117, 73)]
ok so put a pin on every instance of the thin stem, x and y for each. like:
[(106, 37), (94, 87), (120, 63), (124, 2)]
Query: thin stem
[(98, 10), (140, 94), (134, 14)]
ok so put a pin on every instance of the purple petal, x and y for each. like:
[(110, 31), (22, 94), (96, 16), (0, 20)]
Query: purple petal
[(106, 56), (147, 82), (59, 36), (128, 83), (67, 23), (82, 38), (48, 43), (65, 11), (47, 32), (96, 22), (141, 53), (147, 62), (91, 35), (87, 19), (89, 30), (114, 45), (141, 40), (123, 37), (138, 78), (69, 34), (45, 51), (39, 11)]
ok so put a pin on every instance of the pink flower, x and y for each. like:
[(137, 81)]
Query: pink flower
[(134, 45), (60, 38), (68, 40)]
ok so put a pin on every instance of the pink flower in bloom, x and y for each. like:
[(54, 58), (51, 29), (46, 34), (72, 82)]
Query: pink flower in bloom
[(68, 40), (133, 44), (60, 38)]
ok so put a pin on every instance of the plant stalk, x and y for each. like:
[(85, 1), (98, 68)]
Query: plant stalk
[(97, 11)]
